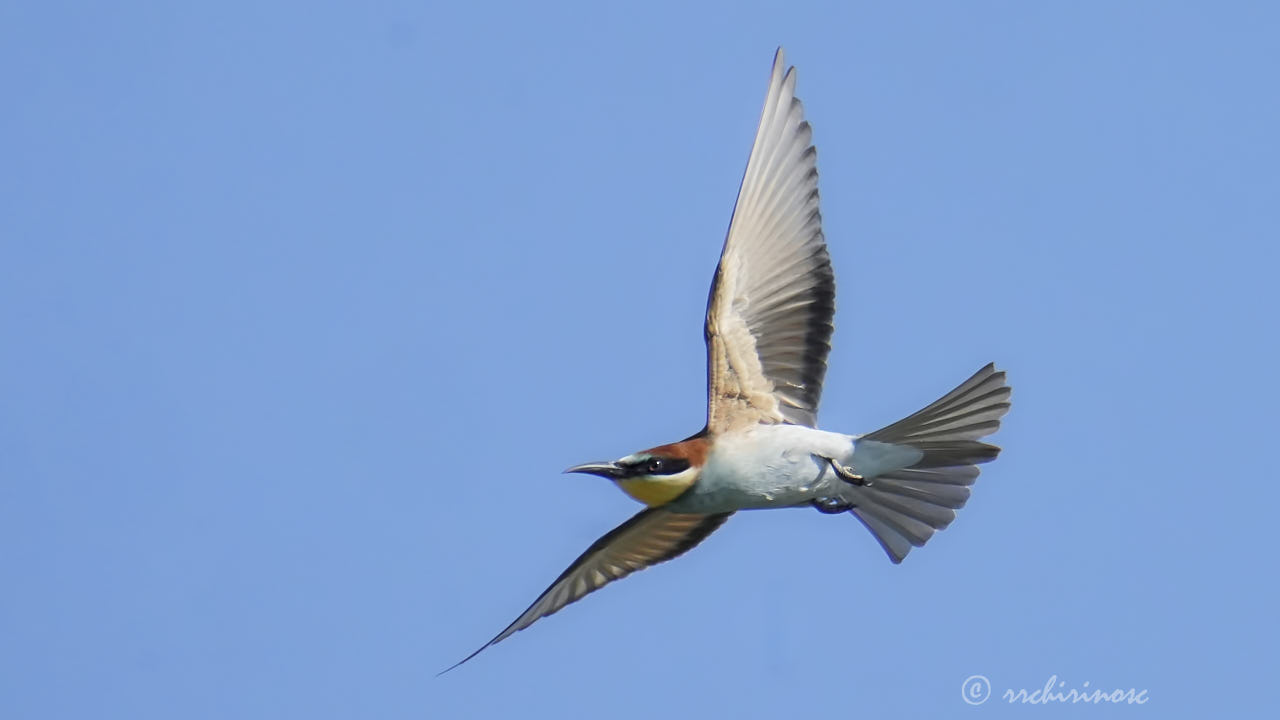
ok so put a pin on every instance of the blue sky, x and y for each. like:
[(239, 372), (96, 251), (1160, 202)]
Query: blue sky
[(305, 306)]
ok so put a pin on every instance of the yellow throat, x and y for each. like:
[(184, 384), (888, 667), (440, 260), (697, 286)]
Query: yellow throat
[(657, 490)]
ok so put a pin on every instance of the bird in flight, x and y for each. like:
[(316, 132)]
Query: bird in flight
[(768, 332)]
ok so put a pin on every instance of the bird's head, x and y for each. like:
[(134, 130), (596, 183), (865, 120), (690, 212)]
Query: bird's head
[(655, 476)]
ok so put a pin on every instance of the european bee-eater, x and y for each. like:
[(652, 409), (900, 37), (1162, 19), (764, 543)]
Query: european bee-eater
[(768, 332)]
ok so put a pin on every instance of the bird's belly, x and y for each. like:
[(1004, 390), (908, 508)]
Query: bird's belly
[(765, 467)]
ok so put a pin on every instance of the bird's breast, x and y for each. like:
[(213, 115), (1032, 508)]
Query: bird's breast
[(763, 467)]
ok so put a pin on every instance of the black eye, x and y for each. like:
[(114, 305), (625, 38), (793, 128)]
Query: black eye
[(654, 466)]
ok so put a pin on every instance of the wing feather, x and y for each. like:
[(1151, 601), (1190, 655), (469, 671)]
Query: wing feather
[(772, 301), (650, 537)]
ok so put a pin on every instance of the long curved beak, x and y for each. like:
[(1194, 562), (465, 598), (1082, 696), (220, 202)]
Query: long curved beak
[(603, 469)]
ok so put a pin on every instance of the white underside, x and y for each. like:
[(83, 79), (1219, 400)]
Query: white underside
[(770, 466)]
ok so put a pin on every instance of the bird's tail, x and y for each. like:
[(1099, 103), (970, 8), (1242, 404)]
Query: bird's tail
[(927, 462)]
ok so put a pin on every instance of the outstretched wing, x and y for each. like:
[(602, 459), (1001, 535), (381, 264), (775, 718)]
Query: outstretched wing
[(772, 301), (652, 536)]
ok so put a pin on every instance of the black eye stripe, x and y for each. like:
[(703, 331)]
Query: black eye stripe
[(657, 466)]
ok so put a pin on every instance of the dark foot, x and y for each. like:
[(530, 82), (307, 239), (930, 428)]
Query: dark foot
[(832, 506), (847, 473)]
